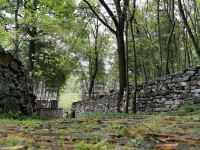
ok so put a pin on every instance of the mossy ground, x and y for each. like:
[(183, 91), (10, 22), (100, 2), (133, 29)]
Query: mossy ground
[(104, 131)]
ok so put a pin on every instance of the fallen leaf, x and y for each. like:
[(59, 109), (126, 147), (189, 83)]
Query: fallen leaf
[(172, 146)]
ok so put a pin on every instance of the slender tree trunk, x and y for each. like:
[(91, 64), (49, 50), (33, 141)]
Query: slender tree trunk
[(16, 42), (127, 68), (159, 38), (134, 104), (169, 42), (195, 43), (96, 60)]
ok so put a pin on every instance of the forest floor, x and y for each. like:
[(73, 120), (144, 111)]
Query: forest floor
[(102, 132)]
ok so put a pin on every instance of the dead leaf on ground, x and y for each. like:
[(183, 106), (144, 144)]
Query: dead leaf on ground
[(171, 146)]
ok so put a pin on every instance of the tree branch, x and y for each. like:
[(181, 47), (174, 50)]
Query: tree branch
[(109, 12), (98, 17)]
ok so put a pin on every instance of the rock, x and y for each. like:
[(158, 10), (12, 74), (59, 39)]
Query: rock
[(14, 94), (196, 91), (183, 83), (169, 102), (189, 73)]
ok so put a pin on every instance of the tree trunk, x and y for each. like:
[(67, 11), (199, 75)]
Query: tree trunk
[(159, 38), (31, 53), (127, 68), (195, 43), (122, 66), (119, 22), (96, 61), (16, 42)]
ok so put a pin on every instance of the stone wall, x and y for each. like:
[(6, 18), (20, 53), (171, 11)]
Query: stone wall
[(49, 113), (14, 94), (162, 94), (168, 93), (106, 104)]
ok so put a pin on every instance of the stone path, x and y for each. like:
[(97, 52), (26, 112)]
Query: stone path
[(120, 132)]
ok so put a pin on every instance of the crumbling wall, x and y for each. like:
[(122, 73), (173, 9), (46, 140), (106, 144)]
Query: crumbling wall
[(162, 94)]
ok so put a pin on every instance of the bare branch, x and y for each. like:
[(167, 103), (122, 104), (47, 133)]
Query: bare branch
[(109, 12), (100, 19)]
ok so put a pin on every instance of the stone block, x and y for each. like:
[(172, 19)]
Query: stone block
[(189, 73), (169, 102)]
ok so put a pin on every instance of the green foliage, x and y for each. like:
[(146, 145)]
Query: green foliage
[(53, 68), (11, 115), (187, 108), (135, 142)]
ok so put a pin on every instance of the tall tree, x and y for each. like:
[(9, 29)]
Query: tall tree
[(119, 21)]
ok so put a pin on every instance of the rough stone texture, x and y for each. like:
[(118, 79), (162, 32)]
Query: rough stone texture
[(106, 104), (49, 113), (14, 94), (168, 93), (162, 94)]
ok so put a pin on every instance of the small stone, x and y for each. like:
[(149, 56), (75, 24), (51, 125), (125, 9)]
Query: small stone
[(177, 102), (196, 91), (169, 102), (189, 73), (183, 83)]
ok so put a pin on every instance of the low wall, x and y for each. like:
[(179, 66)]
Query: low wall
[(168, 93), (162, 94), (49, 113), (106, 104)]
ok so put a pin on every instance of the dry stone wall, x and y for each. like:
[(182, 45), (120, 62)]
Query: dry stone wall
[(168, 93), (162, 94), (106, 104)]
